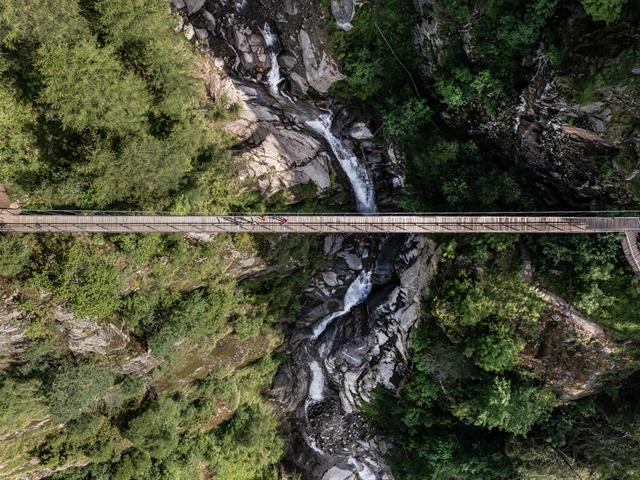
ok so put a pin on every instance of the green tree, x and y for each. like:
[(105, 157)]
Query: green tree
[(155, 431), (604, 10), (15, 254), (88, 88), (511, 407), (77, 389)]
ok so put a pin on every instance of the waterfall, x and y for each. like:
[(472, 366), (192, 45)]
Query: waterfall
[(357, 174), (357, 293), (273, 77)]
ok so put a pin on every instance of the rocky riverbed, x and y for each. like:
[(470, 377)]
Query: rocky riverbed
[(353, 332)]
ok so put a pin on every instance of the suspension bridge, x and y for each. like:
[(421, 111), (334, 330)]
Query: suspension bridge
[(24, 221), (38, 221)]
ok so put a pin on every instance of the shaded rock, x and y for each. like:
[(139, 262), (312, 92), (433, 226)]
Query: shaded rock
[(193, 5), (202, 33), (570, 352)]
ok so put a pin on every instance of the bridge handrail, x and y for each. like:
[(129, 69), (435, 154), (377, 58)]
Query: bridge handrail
[(563, 213)]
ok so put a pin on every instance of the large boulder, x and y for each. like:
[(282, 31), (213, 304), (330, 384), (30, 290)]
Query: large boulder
[(321, 70)]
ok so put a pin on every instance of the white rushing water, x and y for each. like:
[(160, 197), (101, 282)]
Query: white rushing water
[(273, 77), (357, 293), (364, 472), (357, 174), (317, 382)]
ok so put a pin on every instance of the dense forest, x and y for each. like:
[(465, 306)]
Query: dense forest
[(102, 107), (473, 406)]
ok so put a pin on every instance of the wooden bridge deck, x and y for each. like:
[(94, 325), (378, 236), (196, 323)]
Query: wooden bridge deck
[(631, 250), (10, 221)]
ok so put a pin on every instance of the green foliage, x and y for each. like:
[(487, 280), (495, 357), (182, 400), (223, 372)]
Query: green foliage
[(18, 157), (77, 389), (513, 408), (406, 123), (21, 402), (247, 445), (490, 314), (196, 316), (591, 272), (376, 70), (154, 431), (15, 254), (25, 25), (87, 278), (88, 88), (604, 10), (92, 437)]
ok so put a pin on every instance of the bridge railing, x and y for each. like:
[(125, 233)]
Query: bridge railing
[(550, 213)]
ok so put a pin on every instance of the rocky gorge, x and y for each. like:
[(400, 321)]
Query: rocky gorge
[(354, 330), (268, 68)]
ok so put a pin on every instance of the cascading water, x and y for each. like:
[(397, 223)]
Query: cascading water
[(274, 78), (357, 174), (357, 293)]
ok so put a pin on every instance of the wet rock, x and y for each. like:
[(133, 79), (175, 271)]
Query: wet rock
[(335, 473), (274, 156), (333, 244), (301, 84), (330, 278), (363, 349), (288, 61), (359, 131), (353, 261), (343, 11)]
